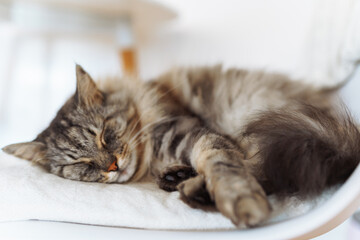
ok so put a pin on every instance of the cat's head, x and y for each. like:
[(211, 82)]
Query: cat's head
[(92, 138)]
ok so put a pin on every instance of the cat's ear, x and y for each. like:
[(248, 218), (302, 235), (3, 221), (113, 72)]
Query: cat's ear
[(33, 151), (87, 93)]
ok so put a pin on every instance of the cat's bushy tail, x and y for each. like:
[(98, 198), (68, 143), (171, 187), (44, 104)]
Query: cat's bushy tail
[(307, 149)]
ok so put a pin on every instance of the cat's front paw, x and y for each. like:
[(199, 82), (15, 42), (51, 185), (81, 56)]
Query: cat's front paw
[(170, 178), (244, 206)]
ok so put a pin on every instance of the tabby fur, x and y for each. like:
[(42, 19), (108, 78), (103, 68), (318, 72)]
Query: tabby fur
[(224, 139)]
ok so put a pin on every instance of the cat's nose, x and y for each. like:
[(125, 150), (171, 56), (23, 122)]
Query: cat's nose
[(113, 166)]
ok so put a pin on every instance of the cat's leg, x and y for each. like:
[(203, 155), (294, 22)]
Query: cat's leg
[(167, 167), (236, 193), (219, 163)]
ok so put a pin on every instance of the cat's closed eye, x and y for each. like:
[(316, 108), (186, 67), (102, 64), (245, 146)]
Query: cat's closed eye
[(91, 132), (85, 171), (110, 139), (107, 137), (71, 156)]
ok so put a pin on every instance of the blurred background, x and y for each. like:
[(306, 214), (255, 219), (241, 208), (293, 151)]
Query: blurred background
[(317, 41)]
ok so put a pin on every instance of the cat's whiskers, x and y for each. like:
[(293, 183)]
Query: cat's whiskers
[(137, 142), (142, 129), (157, 98), (137, 122), (161, 120), (143, 114), (135, 125)]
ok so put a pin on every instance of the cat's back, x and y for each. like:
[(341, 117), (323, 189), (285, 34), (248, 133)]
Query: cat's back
[(226, 100)]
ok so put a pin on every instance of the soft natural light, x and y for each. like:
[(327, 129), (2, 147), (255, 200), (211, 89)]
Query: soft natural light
[(314, 41)]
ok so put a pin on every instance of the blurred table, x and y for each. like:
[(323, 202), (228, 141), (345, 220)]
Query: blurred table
[(125, 20)]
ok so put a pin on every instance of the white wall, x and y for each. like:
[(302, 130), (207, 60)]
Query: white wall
[(317, 40), (37, 75)]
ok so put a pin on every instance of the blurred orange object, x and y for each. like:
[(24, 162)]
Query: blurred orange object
[(128, 57)]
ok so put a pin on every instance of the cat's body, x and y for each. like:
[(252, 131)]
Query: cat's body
[(218, 137)]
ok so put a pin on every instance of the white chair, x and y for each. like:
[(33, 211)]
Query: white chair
[(324, 218)]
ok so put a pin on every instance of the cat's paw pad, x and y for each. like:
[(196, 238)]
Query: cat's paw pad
[(245, 210), (193, 192), (172, 176), (250, 211)]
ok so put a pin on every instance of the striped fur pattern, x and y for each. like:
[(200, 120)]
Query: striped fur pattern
[(224, 139)]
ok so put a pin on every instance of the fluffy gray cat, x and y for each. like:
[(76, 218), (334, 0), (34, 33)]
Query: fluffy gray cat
[(221, 138)]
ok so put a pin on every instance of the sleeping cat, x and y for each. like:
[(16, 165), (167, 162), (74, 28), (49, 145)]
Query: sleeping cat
[(222, 138)]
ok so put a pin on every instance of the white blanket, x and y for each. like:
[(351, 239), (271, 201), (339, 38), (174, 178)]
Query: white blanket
[(29, 192)]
